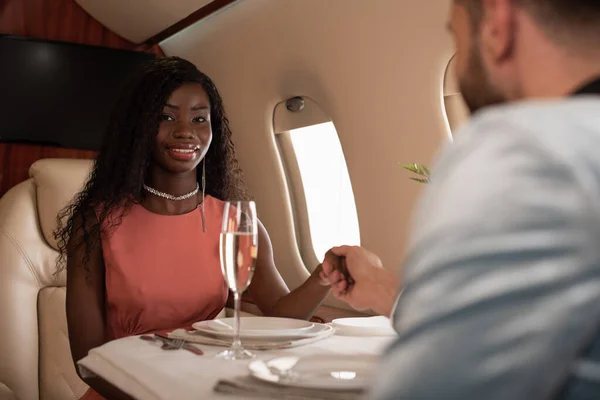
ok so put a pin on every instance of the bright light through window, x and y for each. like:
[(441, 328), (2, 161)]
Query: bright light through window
[(329, 198)]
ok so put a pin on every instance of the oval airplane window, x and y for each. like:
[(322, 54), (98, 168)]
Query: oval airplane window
[(317, 176), (457, 112)]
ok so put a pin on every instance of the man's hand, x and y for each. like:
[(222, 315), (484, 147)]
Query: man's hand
[(373, 288)]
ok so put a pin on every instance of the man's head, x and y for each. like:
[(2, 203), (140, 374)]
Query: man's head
[(514, 49)]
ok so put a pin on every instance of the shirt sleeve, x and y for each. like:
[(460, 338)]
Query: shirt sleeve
[(503, 278)]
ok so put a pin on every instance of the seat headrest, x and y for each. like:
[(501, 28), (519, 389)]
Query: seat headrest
[(57, 182)]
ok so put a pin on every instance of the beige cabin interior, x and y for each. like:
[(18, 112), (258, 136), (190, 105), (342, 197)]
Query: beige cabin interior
[(380, 71)]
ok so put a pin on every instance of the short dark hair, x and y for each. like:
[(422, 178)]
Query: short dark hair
[(560, 19)]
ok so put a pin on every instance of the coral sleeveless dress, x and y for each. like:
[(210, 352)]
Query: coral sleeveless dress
[(162, 272)]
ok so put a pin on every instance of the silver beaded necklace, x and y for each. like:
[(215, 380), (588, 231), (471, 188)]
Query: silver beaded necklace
[(184, 196), (170, 196)]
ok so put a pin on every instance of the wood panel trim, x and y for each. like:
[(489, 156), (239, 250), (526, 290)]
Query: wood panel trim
[(191, 19), (53, 20)]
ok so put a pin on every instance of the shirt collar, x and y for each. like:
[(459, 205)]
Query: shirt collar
[(592, 87)]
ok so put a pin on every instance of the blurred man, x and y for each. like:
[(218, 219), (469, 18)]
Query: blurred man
[(501, 297)]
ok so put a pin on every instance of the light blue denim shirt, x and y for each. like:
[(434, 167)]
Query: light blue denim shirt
[(502, 295)]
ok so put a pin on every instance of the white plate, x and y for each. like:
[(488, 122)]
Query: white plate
[(331, 371), (207, 327), (367, 326), (259, 325)]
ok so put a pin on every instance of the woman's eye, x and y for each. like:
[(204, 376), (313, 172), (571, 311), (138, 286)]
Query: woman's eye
[(199, 119), (166, 117)]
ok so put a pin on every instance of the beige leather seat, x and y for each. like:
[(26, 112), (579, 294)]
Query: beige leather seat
[(35, 360)]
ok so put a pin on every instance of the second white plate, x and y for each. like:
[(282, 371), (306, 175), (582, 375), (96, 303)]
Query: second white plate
[(367, 326), (259, 327)]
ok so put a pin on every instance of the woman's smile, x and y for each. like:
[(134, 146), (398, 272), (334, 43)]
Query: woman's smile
[(183, 152)]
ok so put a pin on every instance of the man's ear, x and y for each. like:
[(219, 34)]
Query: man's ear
[(497, 29)]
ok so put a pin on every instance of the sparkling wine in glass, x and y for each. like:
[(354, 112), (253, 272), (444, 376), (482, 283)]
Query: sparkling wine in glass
[(239, 246)]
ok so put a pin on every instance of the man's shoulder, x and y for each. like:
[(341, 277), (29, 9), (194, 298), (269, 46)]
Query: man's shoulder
[(565, 131), (556, 125), (523, 149), (566, 109)]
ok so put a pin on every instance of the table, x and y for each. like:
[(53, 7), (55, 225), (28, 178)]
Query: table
[(144, 371)]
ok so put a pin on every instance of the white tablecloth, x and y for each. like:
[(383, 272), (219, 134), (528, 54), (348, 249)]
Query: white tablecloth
[(145, 371)]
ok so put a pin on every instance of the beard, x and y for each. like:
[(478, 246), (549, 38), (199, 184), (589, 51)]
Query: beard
[(475, 85)]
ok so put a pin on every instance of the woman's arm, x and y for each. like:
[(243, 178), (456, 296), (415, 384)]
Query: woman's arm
[(86, 318), (272, 295)]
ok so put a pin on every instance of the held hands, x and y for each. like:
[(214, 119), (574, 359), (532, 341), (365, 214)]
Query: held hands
[(336, 272), (366, 285)]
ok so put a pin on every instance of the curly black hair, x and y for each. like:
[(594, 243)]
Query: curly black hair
[(122, 165)]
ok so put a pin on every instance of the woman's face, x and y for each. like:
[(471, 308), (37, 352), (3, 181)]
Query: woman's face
[(185, 133)]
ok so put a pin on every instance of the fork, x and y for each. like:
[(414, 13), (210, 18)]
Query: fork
[(166, 342), (173, 344)]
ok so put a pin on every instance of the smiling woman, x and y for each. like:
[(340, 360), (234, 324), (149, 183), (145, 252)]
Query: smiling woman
[(142, 239), (183, 139), (183, 145)]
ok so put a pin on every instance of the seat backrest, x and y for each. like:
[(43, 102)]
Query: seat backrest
[(35, 359)]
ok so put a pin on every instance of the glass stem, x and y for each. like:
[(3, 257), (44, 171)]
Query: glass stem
[(237, 344)]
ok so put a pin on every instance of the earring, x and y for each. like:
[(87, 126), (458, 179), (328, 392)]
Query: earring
[(203, 193)]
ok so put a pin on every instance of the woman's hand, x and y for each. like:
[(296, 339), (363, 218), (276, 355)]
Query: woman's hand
[(330, 271)]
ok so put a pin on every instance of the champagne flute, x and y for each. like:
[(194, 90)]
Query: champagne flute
[(238, 247)]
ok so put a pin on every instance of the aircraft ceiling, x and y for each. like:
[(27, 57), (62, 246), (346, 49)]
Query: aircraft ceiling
[(139, 20)]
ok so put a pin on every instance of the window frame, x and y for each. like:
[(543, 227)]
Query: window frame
[(284, 123), (298, 201)]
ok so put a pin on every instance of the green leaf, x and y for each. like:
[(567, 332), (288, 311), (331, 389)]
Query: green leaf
[(418, 169), (410, 167), (420, 180)]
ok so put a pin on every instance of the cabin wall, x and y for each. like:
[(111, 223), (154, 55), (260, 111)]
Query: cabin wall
[(62, 20), (375, 67)]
